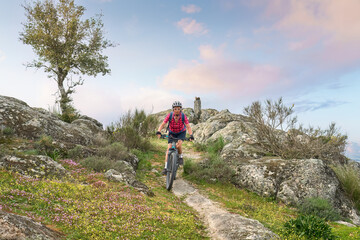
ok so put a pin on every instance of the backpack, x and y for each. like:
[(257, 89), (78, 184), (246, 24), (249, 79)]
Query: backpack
[(170, 118)]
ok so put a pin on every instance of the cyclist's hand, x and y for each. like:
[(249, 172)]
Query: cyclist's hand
[(158, 134), (191, 138)]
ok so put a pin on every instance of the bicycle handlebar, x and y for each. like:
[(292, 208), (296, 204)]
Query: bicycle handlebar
[(164, 136)]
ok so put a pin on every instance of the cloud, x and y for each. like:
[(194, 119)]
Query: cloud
[(2, 56), (331, 29), (214, 73), (191, 27), (191, 8), (114, 102), (309, 106), (353, 151)]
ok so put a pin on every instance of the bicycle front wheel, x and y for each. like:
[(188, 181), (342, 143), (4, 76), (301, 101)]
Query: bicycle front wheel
[(171, 170)]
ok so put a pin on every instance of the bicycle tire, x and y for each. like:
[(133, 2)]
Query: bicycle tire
[(171, 170), (175, 164)]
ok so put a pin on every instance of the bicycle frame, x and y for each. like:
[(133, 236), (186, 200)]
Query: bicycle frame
[(172, 162)]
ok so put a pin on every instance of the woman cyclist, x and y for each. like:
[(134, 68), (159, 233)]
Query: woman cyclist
[(178, 124)]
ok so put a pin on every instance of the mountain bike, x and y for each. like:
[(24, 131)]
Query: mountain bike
[(172, 161)]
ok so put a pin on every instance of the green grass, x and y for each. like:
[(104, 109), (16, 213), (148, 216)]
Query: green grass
[(350, 180), (90, 207)]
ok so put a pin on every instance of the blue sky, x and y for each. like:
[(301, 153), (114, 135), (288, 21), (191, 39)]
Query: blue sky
[(228, 52)]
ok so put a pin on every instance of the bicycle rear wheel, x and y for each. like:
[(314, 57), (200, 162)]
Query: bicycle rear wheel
[(171, 170)]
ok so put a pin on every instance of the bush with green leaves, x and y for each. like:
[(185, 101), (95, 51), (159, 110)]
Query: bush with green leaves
[(45, 145), (319, 207), (213, 168), (277, 132), (7, 131), (210, 170), (214, 148), (75, 152), (108, 157), (115, 151), (133, 129), (308, 227), (98, 164), (349, 177)]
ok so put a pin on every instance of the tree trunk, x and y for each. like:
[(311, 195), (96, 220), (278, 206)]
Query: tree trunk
[(64, 99)]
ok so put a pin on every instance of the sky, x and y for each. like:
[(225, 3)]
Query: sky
[(229, 53)]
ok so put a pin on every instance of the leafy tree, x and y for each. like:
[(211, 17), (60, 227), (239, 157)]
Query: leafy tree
[(66, 45)]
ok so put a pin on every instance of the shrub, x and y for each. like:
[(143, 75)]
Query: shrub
[(45, 143), (319, 207), (115, 151), (214, 148), (46, 146), (102, 164), (132, 130), (309, 227), (96, 163), (200, 147), (277, 132), (75, 152), (69, 114), (7, 131), (213, 168), (100, 140), (350, 180), (55, 154), (109, 157)]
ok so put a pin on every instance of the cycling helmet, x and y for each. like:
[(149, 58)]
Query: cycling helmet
[(176, 104)]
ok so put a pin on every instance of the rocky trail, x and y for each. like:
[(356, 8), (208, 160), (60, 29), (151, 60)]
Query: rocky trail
[(221, 224)]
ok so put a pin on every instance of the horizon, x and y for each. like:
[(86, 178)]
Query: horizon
[(229, 53)]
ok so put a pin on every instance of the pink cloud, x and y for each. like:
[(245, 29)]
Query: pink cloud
[(191, 8), (218, 75), (332, 27), (191, 27)]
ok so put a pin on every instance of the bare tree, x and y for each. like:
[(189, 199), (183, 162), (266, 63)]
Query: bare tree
[(277, 132)]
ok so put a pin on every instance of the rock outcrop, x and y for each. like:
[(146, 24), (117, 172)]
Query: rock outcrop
[(31, 123), (23, 228), (82, 135), (293, 181), (37, 166), (236, 130), (290, 181)]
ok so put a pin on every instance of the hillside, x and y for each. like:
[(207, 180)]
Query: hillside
[(59, 174)]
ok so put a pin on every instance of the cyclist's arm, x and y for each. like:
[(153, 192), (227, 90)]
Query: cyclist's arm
[(161, 126), (189, 129)]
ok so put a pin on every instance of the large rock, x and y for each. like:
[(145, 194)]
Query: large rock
[(237, 132), (31, 123), (33, 165), (127, 176), (23, 228), (197, 108), (292, 181)]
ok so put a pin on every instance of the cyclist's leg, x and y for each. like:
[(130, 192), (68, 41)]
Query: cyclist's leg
[(179, 146), (181, 136)]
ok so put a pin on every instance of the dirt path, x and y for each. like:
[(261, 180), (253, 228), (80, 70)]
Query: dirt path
[(221, 224)]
